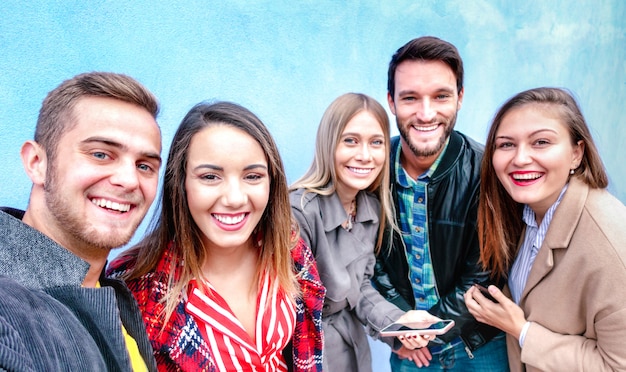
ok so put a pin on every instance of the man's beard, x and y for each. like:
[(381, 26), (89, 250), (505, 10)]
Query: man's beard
[(72, 225), (426, 152)]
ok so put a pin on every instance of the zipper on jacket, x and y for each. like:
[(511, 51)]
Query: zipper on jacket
[(468, 351)]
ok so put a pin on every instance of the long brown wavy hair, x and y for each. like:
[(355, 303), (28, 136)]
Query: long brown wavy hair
[(173, 226), (500, 222)]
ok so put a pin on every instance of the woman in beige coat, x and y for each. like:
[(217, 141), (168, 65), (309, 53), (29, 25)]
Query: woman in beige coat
[(548, 225)]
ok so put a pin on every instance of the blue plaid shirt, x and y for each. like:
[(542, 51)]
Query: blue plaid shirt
[(412, 200), (414, 225)]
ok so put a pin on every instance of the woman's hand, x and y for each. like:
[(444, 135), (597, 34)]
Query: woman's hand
[(418, 316), (413, 340), (504, 314)]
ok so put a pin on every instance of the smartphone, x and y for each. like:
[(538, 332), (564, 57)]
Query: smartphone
[(485, 292), (421, 328)]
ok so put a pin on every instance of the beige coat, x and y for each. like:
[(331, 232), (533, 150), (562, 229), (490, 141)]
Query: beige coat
[(575, 295)]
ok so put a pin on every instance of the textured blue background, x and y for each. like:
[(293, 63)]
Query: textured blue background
[(287, 61)]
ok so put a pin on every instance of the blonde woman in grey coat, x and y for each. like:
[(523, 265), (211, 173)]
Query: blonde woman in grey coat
[(342, 206)]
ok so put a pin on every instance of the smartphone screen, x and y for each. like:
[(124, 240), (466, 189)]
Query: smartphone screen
[(438, 328)]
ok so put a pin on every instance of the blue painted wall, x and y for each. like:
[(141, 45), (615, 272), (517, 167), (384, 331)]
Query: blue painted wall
[(287, 61)]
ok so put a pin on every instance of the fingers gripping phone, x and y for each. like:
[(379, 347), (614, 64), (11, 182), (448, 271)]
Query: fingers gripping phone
[(399, 329), (485, 292)]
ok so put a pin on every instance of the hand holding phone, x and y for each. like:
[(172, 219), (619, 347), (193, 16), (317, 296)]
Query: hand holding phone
[(485, 292)]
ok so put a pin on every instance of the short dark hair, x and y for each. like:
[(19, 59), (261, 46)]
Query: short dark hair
[(56, 110), (426, 48)]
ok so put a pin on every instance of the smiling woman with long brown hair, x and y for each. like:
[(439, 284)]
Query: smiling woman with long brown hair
[(222, 279), (549, 226)]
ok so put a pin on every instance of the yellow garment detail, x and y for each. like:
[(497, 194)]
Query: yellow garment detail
[(139, 365), (136, 360)]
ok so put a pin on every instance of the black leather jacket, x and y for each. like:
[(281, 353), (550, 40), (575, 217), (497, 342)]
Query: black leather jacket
[(452, 200)]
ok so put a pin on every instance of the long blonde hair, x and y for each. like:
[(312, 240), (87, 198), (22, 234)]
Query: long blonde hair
[(321, 177)]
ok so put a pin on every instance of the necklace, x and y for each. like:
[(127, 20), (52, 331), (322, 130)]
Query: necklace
[(347, 225)]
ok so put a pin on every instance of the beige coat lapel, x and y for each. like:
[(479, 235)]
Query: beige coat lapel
[(559, 233)]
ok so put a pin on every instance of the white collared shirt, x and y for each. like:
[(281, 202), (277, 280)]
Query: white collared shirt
[(533, 239)]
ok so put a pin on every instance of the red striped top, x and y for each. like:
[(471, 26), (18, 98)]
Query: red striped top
[(231, 346)]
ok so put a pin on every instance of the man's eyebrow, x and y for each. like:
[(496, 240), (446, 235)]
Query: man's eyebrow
[(405, 92), (443, 89), (107, 141)]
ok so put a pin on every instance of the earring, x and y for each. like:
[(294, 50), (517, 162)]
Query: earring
[(257, 236), (571, 171)]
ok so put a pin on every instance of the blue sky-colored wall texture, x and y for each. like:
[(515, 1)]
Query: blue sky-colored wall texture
[(286, 61)]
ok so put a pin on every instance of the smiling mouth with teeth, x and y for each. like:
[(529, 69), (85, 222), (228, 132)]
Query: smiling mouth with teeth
[(229, 220), (425, 129), (360, 170), (525, 177), (103, 203)]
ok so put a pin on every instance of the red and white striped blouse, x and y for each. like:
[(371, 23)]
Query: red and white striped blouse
[(231, 346)]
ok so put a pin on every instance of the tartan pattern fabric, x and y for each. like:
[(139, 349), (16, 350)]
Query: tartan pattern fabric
[(414, 225), (413, 208), (308, 336), (179, 346)]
